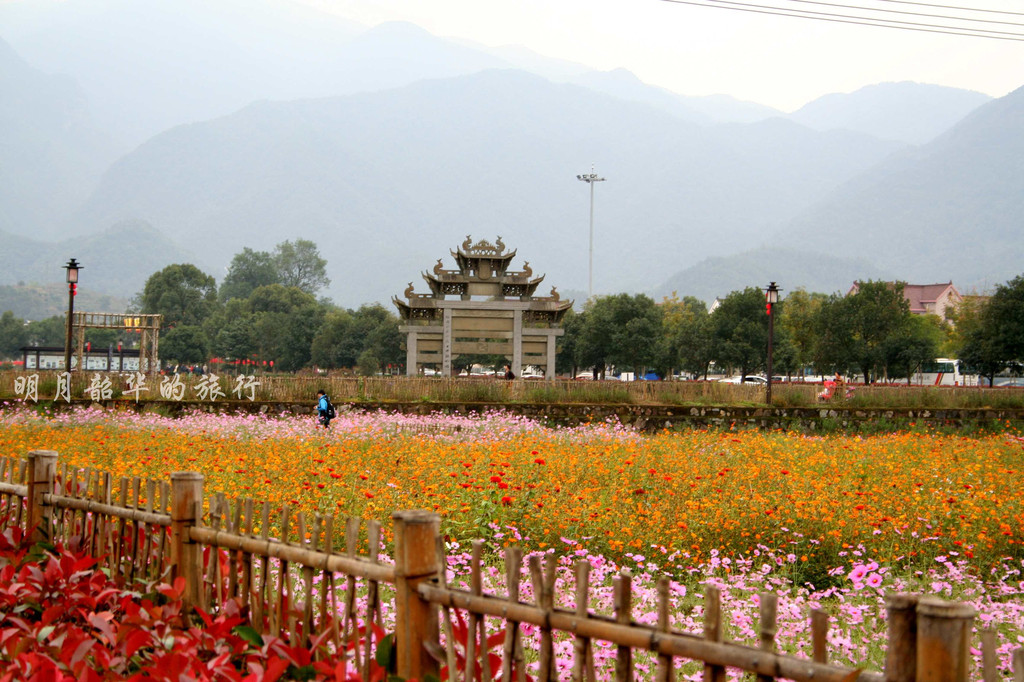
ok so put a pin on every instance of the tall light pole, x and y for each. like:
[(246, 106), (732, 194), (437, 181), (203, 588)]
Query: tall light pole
[(590, 178), (72, 267), (771, 297)]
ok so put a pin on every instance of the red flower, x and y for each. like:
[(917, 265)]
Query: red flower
[(495, 479), (503, 485), (506, 500), (639, 491), (538, 461), (369, 495)]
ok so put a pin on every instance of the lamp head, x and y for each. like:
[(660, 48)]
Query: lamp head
[(72, 267)]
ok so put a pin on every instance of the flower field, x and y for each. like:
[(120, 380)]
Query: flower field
[(834, 521)]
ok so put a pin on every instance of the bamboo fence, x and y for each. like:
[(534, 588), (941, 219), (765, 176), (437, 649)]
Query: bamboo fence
[(321, 579)]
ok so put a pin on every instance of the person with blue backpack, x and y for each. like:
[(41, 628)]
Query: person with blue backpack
[(324, 408)]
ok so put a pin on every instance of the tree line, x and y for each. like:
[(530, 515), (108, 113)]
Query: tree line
[(266, 311), (870, 332)]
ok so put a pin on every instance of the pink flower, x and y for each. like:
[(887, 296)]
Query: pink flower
[(874, 580), (857, 574)]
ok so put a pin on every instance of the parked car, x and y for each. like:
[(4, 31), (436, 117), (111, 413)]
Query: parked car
[(744, 380)]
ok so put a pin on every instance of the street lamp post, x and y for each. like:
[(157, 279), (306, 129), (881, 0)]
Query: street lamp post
[(72, 267), (590, 178), (771, 297)]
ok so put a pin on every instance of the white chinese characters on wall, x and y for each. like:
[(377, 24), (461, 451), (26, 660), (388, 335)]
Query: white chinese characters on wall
[(101, 387)]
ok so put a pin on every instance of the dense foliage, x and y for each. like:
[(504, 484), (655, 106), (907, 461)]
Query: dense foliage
[(62, 618)]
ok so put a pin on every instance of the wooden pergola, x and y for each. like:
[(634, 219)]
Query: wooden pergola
[(148, 326)]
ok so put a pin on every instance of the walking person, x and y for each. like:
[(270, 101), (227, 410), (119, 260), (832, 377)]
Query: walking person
[(324, 409)]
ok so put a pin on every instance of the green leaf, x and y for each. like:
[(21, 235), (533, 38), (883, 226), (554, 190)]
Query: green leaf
[(384, 650), (249, 634)]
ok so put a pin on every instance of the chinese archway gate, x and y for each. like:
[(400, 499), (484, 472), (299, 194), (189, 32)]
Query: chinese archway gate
[(484, 308)]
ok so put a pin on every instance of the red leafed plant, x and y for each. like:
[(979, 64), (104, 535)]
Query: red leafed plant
[(61, 618), (461, 634)]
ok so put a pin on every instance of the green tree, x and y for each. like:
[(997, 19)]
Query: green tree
[(185, 344), (378, 328), (621, 330), (992, 333), (249, 271), (330, 347), (232, 330), (796, 319), (182, 293), (299, 265), (346, 335), (286, 319), (740, 331), (567, 348), (853, 330), (13, 335), (51, 331), (368, 364), (1004, 319), (687, 328), (916, 343)]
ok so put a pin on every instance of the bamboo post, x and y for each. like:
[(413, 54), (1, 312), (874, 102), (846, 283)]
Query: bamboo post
[(713, 630), (623, 604), (943, 639), (901, 656), (664, 672), (42, 468), (1018, 665), (768, 610), (989, 660), (186, 495), (583, 664), (416, 561), (819, 636), (512, 646)]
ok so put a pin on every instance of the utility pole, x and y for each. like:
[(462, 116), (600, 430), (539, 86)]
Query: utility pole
[(590, 178)]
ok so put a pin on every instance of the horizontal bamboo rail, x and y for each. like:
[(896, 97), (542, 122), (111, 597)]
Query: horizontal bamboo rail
[(10, 489), (275, 549), (111, 510)]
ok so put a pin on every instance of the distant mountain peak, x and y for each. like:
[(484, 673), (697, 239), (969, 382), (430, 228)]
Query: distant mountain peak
[(911, 112)]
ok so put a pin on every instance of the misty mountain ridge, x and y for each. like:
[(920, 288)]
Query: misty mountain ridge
[(209, 58), (948, 209), (910, 112), (385, 188), (115, 260), (398, 176)]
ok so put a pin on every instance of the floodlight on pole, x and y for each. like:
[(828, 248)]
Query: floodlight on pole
[(590, 178)]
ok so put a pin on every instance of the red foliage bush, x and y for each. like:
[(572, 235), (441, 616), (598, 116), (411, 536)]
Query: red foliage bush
[(61, 618)]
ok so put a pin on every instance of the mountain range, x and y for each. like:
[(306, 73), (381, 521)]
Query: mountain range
[(387, 146)]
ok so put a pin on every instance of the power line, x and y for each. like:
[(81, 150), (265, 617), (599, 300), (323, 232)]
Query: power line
[(962, 9), (906, 13), (855, 20)]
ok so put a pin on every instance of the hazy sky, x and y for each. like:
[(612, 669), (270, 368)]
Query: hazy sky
[(778, 61)]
